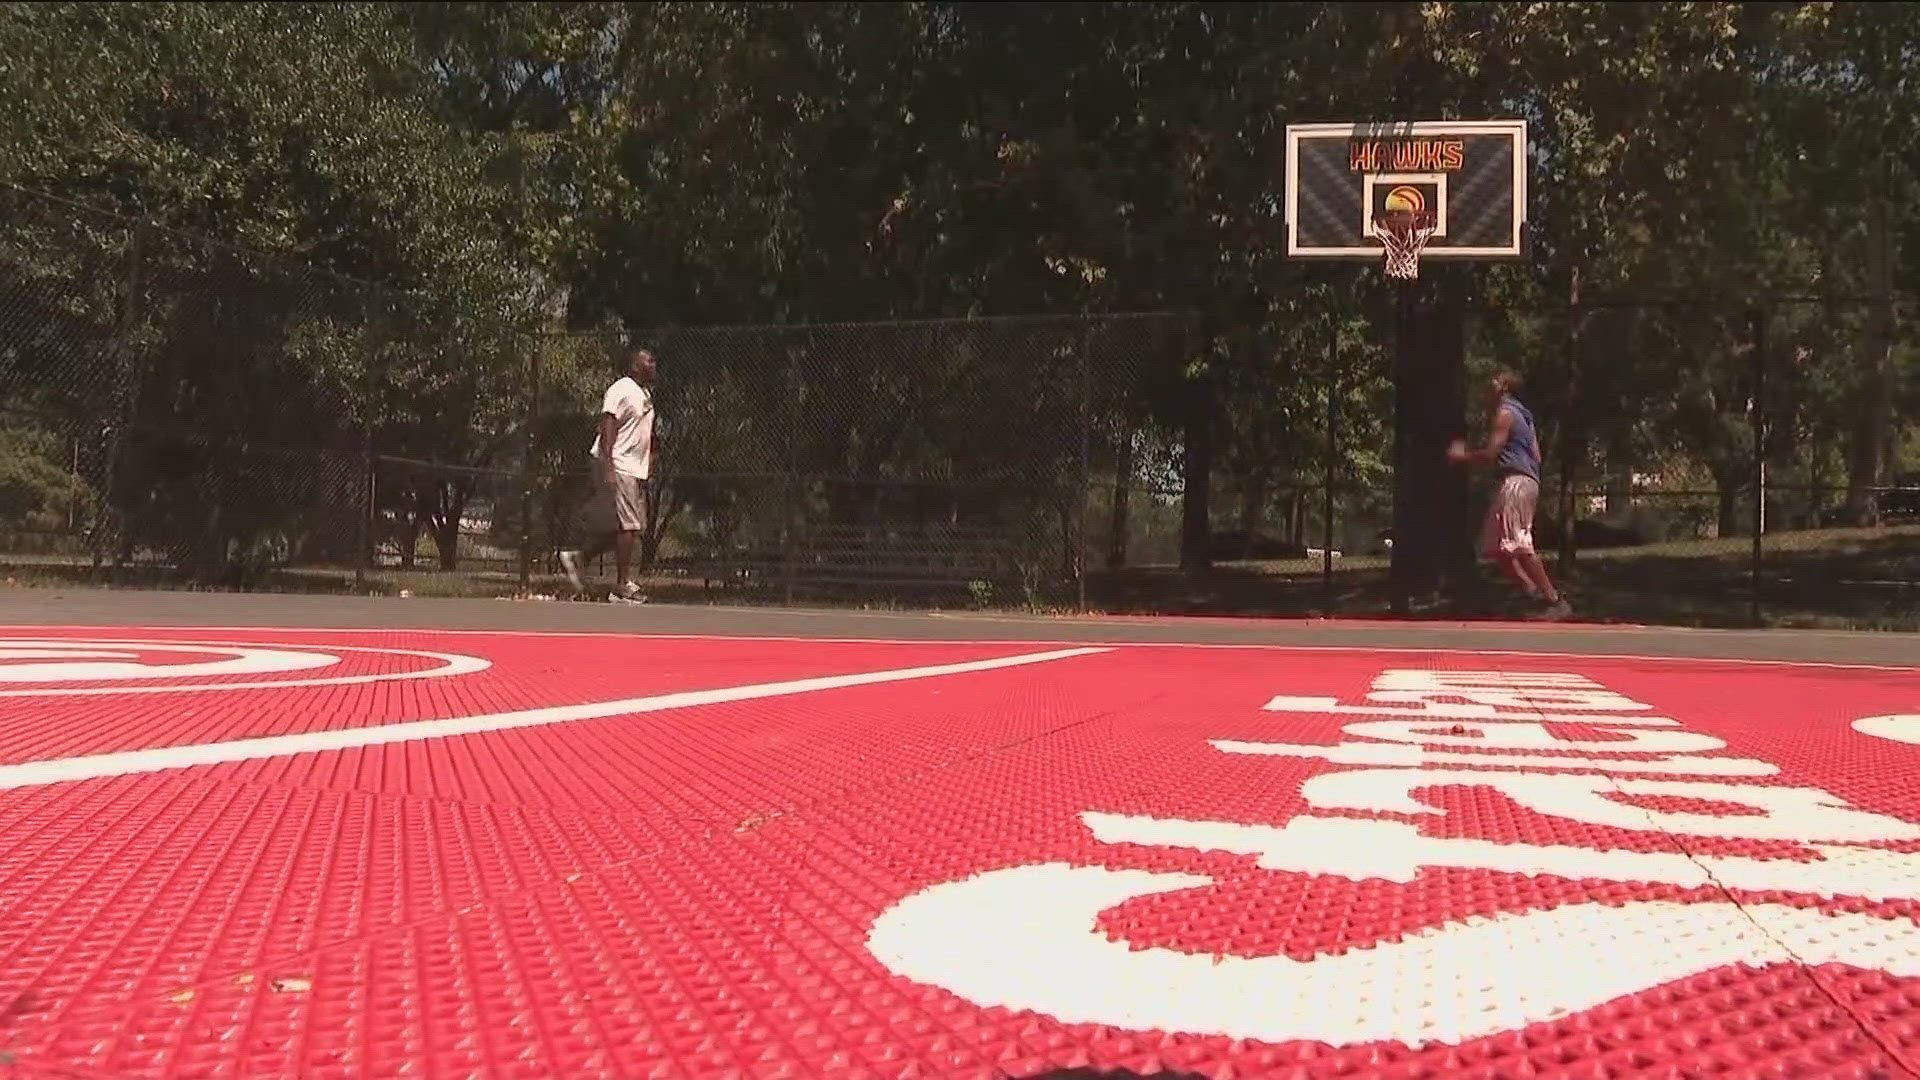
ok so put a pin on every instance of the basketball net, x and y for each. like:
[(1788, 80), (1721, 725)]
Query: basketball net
[(1404, 234)]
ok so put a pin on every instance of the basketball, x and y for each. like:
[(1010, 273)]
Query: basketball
[(1398, 199)]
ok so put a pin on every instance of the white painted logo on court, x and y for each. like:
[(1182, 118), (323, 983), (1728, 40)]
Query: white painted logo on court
[(1904, 728), (1030, 937), (47, 667)]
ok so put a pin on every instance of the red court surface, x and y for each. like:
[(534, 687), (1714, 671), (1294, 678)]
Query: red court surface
[(406, 853)]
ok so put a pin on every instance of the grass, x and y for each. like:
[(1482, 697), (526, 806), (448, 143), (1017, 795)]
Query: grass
[(1817, 579), (337, 581)]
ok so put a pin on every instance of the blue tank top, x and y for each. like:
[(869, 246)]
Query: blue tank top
[(1517, 455)]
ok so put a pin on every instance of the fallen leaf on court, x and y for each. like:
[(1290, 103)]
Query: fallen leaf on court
[(754, 821)]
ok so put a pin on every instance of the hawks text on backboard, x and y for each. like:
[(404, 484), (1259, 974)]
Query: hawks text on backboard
[(1405, 155)]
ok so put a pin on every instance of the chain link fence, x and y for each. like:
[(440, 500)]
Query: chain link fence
[(176, 412), (927, 462), (1659, 422), (182, 412)]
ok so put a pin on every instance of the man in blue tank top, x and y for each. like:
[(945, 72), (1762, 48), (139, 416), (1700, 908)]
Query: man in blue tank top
[(1513, 449)]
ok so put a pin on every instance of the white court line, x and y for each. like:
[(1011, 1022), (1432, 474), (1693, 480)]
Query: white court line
[(31, 773), (451, 664), (641, 635)]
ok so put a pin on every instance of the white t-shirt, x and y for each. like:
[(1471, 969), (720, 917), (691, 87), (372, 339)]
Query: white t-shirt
[(631, 406)]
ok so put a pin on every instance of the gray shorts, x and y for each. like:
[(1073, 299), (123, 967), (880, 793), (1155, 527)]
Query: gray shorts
[(620, 506), (1509, 526)]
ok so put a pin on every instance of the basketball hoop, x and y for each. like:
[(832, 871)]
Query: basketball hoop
[(1404, 234)]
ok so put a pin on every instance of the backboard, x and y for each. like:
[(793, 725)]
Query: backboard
[(1471, 175)]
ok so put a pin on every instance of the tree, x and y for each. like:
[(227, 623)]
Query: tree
[(303, 132)]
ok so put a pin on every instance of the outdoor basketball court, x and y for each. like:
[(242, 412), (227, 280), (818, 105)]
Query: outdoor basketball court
[(286, 851), (279, 836)]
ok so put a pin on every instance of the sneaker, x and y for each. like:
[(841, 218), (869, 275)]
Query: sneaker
[(629, 593), (570, 562), (1554, 612)]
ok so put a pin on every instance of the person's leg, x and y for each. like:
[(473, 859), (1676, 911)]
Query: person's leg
[(1515, 570), (1498, 534), (623, 557), (1526, 560), (631, 510), (1531, 569)]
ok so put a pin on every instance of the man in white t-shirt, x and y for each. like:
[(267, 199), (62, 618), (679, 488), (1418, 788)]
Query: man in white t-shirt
[(623, 467)]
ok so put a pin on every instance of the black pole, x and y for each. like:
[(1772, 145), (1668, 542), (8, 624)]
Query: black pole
[(1570, 433), (369, 493), (1086, 465), (1405, 543), (532, 421), (790, 496), (1326, 519), (1759, 423)]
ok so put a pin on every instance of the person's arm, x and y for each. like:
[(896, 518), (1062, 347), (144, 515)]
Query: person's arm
[(610, 405), (1502, 427), (608, 428), (651, 419)]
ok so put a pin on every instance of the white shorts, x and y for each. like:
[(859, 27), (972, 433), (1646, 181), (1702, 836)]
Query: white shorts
[(1509, 526), (620, 506)]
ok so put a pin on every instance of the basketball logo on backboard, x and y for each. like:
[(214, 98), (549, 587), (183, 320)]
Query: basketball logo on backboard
[(1405, 199), (1412, 193)]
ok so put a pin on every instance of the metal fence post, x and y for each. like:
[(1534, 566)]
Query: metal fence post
[(790, 497), (1333, 451), (1758, 419), (1572, 432), (369, 493), (363, 528), (363, 558), (1086, 465), (530, 442)]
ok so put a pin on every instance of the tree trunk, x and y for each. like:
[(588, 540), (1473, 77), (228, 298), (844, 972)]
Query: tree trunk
[(1728, 519), (1619, 469), (446, 526), (1873, 406), (416, 523), (1253, 510), (663, 509), (446, 539), (1817, 483), (210, 548), (1117, 527), (209, 553)]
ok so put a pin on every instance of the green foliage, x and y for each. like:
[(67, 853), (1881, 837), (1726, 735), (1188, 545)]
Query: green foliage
[(304, 129), (36, 487)]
